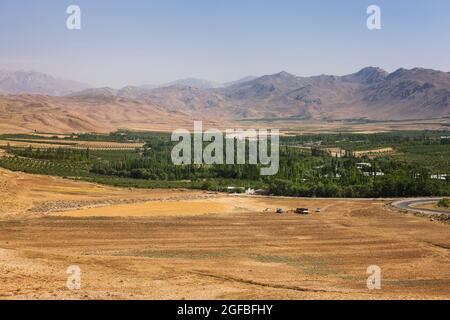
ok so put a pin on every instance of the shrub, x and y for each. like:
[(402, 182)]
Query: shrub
[(444, 203)]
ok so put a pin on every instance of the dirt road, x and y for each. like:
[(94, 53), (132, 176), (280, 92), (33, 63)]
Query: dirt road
[(410, 204)]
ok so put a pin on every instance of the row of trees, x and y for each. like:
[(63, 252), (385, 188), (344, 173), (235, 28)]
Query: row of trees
[(300, 174), (51, 153), (394, 185)]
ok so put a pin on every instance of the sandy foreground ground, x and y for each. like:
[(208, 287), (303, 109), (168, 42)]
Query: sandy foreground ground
[(178, 244)]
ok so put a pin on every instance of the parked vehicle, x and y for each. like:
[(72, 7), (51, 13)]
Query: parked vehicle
[(302, 211)]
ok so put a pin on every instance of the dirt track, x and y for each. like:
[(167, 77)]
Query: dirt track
[(422, 205), (201, 245)]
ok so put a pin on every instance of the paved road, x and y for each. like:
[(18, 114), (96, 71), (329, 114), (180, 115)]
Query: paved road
[(407, 204)]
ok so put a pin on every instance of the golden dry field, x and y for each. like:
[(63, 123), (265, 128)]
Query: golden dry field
[(93, 145), (374, 152), (175, 244), (300, 127)]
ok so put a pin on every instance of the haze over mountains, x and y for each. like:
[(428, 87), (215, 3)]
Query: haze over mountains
[(370, 93), (32, 82)]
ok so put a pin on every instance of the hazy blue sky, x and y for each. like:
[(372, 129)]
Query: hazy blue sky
[(154, 41)]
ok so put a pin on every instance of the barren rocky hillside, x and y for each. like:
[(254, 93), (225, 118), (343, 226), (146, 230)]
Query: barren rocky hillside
[(370, 93)]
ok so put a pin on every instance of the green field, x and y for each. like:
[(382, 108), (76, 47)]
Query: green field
[(306, 168)]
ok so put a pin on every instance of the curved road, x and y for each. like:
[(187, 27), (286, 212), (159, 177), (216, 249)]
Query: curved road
[(407, 205)]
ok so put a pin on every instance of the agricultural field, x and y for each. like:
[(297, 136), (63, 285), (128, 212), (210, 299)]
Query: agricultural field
[(80, 145), (45, 167), (292, 127), (374, 153), (395, 164)]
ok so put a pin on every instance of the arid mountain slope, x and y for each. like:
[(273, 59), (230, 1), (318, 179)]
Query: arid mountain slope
[(32, 82), (81, 114), (370, 93)]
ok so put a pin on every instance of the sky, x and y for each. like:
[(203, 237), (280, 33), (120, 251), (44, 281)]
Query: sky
[(139, 42)]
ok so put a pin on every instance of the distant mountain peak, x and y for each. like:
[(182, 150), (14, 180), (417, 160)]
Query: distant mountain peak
[(367, 75), (34, 82), (398, 72), (371, 69), (193, 82), (104, 92), (240, 81), (284, 74)]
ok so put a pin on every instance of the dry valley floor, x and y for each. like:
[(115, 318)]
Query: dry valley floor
[(178, 244)]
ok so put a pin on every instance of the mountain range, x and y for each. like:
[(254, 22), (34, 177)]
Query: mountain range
[(32, 82), (198, 83), (370, 93)]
